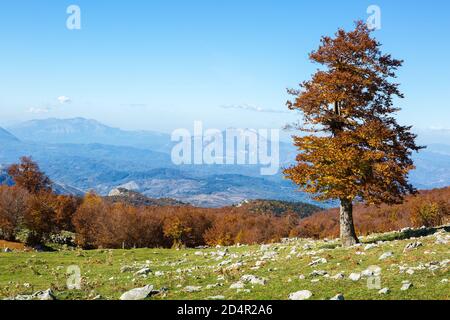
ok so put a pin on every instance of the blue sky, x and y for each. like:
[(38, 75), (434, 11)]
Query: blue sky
[(161, 64)]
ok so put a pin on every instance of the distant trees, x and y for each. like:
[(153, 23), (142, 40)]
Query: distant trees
[(354, 149)]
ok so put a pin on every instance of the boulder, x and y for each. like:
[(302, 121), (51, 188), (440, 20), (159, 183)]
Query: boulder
[(137, 293), (339, 297), (300, 295), (354, 276), (386, 255)]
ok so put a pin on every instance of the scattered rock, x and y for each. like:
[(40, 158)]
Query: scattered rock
[(216, 298), (44, 295), (318, 261), (338, 276), (339, 297), (386, 255), (253, 280), (370, 246), (300, 295), (237, 285), (143, 272), (412, 246), (192, 289), (354, 276), (384, 291), (372, 271), (138, 293), (318, 273), (406, 285)]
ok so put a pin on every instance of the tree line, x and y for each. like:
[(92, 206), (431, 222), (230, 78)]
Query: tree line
[(31, 213)]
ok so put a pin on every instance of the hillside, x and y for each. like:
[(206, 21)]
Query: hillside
[(279, 208), (121, 195), (415, 267)]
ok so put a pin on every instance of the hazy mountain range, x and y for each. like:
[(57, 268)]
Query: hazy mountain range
[(81, 155)]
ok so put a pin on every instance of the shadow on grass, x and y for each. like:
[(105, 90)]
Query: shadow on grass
[(408, 234), (404, 235)]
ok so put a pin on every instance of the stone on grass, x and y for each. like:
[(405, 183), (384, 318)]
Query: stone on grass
[(318, 261), (338, 276), (318, 273), (300, 295), (143, 272), (384, 291), (412, 246), (192, 288), (386, 255), (248, 278), (216, 298), (372, 271), (406, 285), (370, 246), (339, 297), (237, 285), (354, 276), (137, 293)]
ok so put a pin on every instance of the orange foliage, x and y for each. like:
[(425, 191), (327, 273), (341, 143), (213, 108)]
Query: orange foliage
[(428, 208)]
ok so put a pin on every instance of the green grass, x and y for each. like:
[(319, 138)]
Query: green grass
[(101, 274)]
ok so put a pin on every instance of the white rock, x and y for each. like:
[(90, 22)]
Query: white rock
[(192, 288), (372, 271), (384, 291), (338, 276), (339, 297), (44, 295), (370, 246), (216, 298), (412, 246), (406, 285), (253, 279), (300, 295), (138, 293), (318, 261), (237, 285), (354, 276), (143, 272), (386, 255)]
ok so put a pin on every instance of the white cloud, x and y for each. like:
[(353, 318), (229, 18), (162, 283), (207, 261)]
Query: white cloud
[(64, 99), (38, 110), (253, 108)]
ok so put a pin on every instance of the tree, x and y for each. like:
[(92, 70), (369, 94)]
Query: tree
[(13, 206), (28, 176), (40, 217), (354, 149)]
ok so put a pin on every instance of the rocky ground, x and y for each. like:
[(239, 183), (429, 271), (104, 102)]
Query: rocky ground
[(409, 264)]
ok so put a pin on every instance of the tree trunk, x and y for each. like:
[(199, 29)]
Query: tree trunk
[(348, 234)]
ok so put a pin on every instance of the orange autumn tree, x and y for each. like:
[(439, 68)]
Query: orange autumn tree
[(354, 149)]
